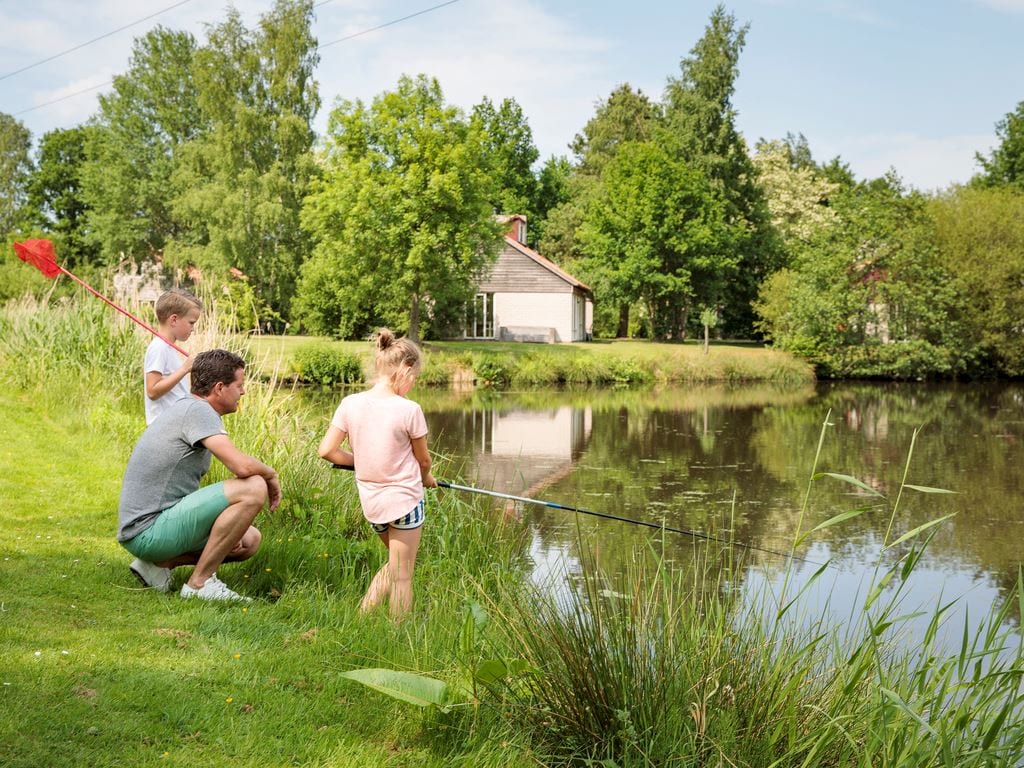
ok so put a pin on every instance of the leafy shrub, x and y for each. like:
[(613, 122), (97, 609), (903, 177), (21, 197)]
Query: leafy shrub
[(493, 370), (438, 370), (321, 364), (914, 359), (537, 370), (624, 371)]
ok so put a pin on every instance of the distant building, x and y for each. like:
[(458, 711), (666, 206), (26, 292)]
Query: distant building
[(525, 297)]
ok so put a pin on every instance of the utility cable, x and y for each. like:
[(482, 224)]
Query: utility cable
[(339, 40), (387, 24), (90, 42)]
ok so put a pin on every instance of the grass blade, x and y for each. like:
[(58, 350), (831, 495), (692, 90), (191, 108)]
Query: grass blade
[(927, 489), (852, 481), (923, 527)]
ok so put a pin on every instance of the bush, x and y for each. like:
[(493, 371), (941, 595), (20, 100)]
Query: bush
[(321, 364), (904, 360), (492, 369)]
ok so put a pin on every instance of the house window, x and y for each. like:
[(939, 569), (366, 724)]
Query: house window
[(480, 323)]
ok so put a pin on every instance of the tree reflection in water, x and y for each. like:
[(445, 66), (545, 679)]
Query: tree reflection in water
[(736, 462)]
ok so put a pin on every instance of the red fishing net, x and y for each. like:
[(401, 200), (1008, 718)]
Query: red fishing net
[(40, 254)]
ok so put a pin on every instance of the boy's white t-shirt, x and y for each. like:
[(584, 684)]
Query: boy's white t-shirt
[(162, 358)]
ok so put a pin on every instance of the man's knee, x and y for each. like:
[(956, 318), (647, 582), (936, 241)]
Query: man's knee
[(251, 491)]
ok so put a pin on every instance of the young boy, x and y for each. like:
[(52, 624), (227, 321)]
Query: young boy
[(166, 374)]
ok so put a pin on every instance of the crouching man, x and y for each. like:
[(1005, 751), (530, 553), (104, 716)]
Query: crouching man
[(164, 518)]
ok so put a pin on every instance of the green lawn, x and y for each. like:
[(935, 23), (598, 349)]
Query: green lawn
[(677, 362), (96, 671)]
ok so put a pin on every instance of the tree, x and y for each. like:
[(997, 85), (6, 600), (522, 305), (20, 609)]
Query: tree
[(627, 115), (242, 181), (798, 197), (868, 295), (553, 189), (55, 193), (701, 130), (1006, 163), (655, 233), (510, 155), (134, 145), (15, 167), (402, 216), (980, 235)]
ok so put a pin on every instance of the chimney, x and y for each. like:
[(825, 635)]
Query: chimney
[(517, 222)]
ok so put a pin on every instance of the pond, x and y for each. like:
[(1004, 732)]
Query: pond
[(736, 462)]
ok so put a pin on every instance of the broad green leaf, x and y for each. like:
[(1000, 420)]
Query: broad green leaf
[(924, 527), (480, 617), (927, 489), (415, 689), (852, 481), (492, 671)]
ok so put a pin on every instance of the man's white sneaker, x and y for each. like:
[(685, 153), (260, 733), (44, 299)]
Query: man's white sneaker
[(213, 589), (152, 575)]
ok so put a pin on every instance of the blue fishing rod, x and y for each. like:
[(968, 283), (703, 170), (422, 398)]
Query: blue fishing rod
[(606, 516)]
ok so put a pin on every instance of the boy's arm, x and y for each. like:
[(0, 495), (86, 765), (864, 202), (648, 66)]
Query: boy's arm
[(158, 385), (242, 465)]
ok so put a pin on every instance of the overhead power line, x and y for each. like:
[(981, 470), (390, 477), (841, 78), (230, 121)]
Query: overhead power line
[(332, 42), (94, 40), (387, 24), (62, 98)]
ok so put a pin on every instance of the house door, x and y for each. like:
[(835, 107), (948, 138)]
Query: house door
[(578, 317), (480, 323)]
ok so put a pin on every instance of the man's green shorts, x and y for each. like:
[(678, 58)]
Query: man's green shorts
[(185, 527)]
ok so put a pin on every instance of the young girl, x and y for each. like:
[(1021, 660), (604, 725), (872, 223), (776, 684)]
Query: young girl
[(388, 437)]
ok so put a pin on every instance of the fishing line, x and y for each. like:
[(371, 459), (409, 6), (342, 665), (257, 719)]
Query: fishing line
[(569, 508)]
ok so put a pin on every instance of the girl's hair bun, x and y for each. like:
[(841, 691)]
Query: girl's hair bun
[(385, 338)]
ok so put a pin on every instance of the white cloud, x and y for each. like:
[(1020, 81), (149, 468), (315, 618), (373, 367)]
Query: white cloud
[(1007, 6), (77, 108), (554, 71)]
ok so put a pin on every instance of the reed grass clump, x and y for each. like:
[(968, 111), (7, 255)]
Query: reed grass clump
[(681, 668), (68, 339)]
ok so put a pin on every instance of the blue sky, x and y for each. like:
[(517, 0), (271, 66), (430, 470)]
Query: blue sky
[(913, 85)]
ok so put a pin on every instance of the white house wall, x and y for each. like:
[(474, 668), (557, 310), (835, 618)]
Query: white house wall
[(538, 310)]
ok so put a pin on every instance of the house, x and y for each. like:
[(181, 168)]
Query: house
[(517, 450), (525, 297)]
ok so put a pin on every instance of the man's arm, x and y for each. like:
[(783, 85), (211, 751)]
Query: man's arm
[(242, 465)]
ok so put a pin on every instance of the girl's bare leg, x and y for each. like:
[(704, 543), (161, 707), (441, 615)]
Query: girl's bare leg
[(402, 549), (380, 585)]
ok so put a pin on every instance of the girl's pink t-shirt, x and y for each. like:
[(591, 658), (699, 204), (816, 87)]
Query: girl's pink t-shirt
[(380, 431)]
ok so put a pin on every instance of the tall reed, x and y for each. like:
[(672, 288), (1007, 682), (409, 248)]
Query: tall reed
[(664, 667)]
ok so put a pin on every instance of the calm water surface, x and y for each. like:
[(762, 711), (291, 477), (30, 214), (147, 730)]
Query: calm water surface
[(738, 461)]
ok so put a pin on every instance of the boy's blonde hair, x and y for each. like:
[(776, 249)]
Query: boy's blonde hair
[(395, 355), (176, 301)]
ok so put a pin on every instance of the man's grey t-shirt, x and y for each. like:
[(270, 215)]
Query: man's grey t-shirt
[(167, 464)]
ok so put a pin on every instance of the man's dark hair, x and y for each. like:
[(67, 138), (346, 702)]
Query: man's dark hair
[(212, 366)]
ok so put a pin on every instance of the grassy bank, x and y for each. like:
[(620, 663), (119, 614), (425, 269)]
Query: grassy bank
[(654, 666), (605, 363)]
